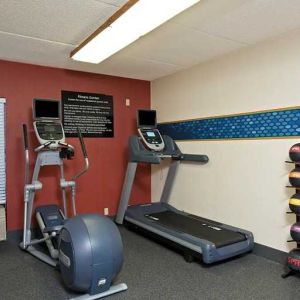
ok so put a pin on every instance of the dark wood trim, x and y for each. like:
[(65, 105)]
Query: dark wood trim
[(106, 24)]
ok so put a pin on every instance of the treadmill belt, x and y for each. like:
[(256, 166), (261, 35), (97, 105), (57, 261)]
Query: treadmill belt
[(197, 227)]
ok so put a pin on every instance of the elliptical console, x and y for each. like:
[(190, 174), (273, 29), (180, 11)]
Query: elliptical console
[(47, 124)]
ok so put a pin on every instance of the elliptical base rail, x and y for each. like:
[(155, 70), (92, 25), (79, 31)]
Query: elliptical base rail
[(113, 290), (41, 256)]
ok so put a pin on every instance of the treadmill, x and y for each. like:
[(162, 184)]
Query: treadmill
[(195, 236)]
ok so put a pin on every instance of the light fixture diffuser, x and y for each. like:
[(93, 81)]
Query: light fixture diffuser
[(135, 19)]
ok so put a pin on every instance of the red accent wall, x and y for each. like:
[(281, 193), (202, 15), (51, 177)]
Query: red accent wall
[(101, 186)]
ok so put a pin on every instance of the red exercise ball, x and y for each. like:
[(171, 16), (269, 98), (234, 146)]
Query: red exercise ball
[(295, 153), (293, 260)]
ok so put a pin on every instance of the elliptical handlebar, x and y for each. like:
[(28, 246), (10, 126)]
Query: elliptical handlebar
[(82, 143), (25, 137), (57, 146), (65, 145), (26, 152), (43, 146), (84, 153)]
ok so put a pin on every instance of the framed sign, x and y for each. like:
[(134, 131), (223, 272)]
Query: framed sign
[(92, 113)]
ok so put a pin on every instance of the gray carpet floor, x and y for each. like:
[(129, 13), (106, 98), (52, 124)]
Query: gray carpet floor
[(152, 271)]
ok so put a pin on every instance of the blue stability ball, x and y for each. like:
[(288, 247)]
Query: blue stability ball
[(90, 253)]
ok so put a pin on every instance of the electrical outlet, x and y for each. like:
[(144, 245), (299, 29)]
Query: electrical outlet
[(106, 211), (127, 102)]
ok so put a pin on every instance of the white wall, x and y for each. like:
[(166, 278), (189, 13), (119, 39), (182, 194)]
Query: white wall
[(244, 182)]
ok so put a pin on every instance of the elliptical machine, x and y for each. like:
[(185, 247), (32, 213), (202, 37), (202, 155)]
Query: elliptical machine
[(87, 248)]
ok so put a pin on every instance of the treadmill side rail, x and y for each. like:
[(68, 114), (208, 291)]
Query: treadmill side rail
[(136, 215)]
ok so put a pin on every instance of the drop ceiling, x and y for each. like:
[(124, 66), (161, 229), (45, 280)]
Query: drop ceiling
[(44, 32)]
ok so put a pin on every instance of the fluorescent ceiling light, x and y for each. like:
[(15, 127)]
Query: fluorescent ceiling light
[(130, 22)]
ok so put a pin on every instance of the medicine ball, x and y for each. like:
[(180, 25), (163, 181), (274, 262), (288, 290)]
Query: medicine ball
[(90, 253), (294, 204), (295, 231), (294, 177), (295, 153), (293, 259)]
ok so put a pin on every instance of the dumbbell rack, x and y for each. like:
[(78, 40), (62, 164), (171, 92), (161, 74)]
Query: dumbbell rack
[(292, 272)]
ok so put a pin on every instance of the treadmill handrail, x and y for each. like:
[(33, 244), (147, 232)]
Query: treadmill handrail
[(194, 158)]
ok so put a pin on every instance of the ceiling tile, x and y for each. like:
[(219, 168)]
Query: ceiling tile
[(207, 11), (252, 21), (45, 53), (136, 68), (176, 44), (34, 51), (44, 32), (68, 21)]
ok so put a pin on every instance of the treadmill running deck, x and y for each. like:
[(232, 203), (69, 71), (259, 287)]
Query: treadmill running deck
[(197, 227)]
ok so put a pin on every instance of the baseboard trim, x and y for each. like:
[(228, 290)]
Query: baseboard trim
[(15, 236), (270, 253)]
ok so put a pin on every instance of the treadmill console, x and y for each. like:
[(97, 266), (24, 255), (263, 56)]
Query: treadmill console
[(151, 137), (47, 122)]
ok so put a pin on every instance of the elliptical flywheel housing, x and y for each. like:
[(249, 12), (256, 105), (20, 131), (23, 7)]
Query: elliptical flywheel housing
[(90, 253)]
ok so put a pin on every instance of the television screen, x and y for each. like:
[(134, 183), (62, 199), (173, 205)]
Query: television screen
[(146, 118), (46, 109)]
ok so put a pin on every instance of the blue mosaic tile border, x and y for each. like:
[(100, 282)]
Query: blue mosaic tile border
[(269, 124)]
